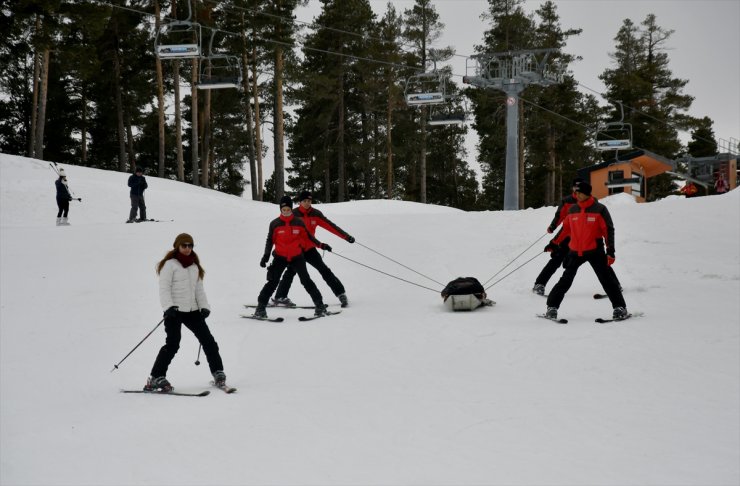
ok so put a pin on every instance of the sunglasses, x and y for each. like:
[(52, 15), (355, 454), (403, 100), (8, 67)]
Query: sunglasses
[(187, 245)]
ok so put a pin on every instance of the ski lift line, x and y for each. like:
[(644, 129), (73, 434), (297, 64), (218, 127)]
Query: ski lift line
[(318, 26), (385, 273), (286, 44), (664, 122), (513, 260), (399, 263), (586, 127)]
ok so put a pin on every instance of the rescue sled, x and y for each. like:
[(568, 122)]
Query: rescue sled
[(465, 294)]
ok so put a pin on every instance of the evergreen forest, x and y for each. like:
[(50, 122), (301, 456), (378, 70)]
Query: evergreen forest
[(81, 83)]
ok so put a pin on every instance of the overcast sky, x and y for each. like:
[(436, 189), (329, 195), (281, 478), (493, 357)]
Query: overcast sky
[(704, 49)]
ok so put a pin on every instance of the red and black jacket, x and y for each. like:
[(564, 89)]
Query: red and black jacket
[(290, 237), (313, 218), (587, 224), (562, 211)]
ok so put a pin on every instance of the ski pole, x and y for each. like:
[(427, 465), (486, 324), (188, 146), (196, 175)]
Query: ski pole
[(115, 366), (398, 263), (197, 360), (512, 261)]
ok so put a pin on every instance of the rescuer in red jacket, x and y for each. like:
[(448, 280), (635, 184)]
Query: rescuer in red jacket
[(558, 252), (588, 224), (289, 236), (313, 218)]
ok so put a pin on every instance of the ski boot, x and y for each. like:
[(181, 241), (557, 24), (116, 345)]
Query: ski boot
[(260, 312), (343, 300), (619, 313), (538, 289), (282, 302), (552, 313), (219, 378), (320, 310), (159, 384)]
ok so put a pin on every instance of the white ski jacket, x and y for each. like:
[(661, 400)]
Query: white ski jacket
[(181, 287)]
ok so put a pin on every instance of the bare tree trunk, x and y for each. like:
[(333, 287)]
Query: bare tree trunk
[(194, 122), (550, 187), (522, 162), (423, 158), (257, 126), (279, 129), (327, 172), (130, 140), (83, 128), (160, 98), (119, 112), (41, 121), (389, 146), (35, 100), (341, 178), (206, 113), (178, 112), (248, 109)]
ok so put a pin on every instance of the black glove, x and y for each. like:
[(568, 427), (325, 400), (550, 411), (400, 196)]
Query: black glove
[(205, 313), (171, 312), (550, 229), (551, 247), (350, 239), (263, 262), (326, 247), (610, 252)]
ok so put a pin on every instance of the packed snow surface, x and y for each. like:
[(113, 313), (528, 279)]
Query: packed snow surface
[(396, 389)]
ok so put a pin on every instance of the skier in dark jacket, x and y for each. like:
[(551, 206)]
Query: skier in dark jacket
[(559, 252), (63, 199), (313, 218), (588, 224), (289, 236), (137, 183)]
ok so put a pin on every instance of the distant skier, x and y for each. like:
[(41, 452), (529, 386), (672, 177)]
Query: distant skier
[(288, 234), (137, 183), (587, 224), (721, 185), (689, 189), (558, 252), (313, 218), (184, 301), (63, 199)]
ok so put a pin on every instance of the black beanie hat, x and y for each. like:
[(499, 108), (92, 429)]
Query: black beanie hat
[(576, 181), (583, 187), (304, 195), (286, 201)]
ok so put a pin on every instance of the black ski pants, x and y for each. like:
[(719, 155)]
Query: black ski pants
[(63, 205), (295, 265), (597, 260), (313, 257), (173, 327), (137, 203), (559, 257)]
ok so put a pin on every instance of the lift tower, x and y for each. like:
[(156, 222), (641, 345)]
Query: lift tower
[(512, 72)]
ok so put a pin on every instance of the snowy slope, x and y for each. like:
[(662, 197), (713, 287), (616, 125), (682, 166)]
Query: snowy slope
[(396, 389)]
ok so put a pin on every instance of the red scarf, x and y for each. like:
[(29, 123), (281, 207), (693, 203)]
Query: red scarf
[(185, 261)]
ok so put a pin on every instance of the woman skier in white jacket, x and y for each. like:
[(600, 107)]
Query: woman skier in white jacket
[(184, 301)]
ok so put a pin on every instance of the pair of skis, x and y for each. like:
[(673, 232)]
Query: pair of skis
[(225, 388), (281, 319), (598, 319)]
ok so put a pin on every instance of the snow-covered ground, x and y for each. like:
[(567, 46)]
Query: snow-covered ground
[(395, 390)]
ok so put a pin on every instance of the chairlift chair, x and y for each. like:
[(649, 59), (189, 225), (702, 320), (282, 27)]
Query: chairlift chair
[(220, 71), (613, 136), (425, 89), (179, 39), (447, 114)]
